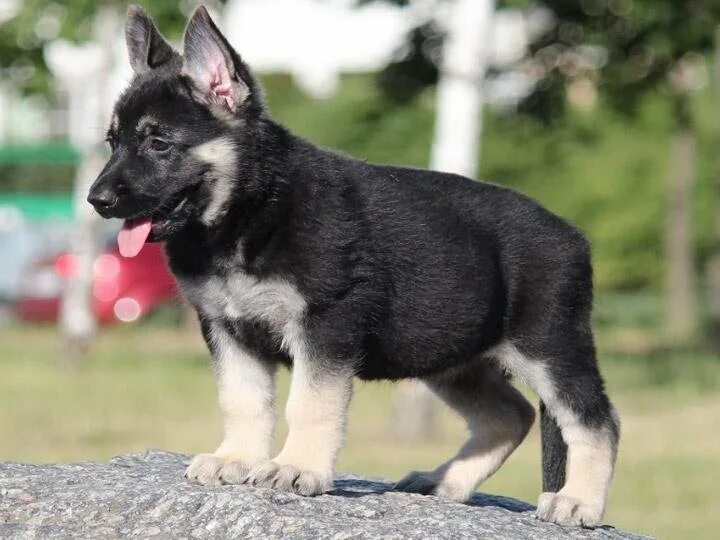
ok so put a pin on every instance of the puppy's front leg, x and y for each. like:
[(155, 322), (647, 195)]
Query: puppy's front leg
[(246, 389), (316, 413)]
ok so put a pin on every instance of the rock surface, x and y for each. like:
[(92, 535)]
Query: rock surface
[(145, 495)]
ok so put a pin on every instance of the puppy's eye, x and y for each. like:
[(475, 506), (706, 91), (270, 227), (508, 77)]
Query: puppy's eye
[(158, 145)]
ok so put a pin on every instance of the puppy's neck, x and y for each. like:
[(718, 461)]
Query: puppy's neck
[(260, 196)]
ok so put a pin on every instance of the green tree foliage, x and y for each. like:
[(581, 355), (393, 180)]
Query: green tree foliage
[(597, 168), (639, 55), (22, 38), (644, 40), (603, 169)]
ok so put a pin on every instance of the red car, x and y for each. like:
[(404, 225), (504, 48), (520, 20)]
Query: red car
[(123, 289)]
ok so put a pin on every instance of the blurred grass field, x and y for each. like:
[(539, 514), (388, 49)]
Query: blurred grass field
[(151, 386)]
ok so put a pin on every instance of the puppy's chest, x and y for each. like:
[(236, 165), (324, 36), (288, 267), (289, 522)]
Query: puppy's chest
[(238, 296)]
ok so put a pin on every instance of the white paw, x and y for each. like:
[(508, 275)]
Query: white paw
[(453, 492), (290, 478), (205, 469), (212, 470), (432, 483), (423, 482), (235, 472), (568, 510)]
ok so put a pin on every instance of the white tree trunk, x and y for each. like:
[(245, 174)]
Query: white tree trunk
[(456, 147), (458, 121), (84, 71), (713, 268), (77, 317), (681, 311)]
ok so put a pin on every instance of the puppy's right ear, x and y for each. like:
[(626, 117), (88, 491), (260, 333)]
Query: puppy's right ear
[(147, 49), (209, 63)]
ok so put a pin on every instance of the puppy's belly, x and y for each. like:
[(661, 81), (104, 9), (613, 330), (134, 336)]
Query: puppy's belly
[(407, 357)]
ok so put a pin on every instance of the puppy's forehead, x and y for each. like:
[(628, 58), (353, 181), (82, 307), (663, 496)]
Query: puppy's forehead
[(140, 122), (144, 124), (162, 102), (147, 102)]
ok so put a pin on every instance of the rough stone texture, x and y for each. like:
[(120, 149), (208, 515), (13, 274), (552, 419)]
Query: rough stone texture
[(145, 496)]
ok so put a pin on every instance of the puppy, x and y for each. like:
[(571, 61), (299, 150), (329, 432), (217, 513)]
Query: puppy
[(340, 268)]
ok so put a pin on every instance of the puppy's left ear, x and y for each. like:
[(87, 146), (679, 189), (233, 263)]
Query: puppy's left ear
[(147, 49), (209, 63)]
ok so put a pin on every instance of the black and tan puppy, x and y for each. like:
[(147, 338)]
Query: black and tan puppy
[(339, 268)]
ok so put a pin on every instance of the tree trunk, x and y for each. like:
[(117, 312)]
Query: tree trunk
[(456, 144), (458, 119), (713, 268), (84, 72), (77, 318), (681, 313), (413, 411)]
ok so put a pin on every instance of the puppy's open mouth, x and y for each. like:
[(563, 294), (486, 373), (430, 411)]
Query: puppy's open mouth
[(137, 231)]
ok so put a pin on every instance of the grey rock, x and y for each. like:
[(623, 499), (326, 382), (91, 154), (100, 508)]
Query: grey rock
[(146, 496)]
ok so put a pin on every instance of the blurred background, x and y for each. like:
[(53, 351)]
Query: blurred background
[(606, 111)]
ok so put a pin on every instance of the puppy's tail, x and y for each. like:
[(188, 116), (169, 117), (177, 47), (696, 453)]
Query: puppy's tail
[(554, 452)]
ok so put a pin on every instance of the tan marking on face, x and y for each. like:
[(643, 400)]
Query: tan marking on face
[(146, 125), (219, 154)]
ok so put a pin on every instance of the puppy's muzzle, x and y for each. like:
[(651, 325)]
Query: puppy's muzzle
[(102, 198)]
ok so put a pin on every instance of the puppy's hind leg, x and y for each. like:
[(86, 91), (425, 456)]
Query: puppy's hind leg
[(498, 418), (571, 389)]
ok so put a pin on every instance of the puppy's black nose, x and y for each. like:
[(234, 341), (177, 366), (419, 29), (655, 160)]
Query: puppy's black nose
[(102, 199)]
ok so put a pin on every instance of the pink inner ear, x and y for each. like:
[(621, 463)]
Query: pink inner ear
[(221, 85)]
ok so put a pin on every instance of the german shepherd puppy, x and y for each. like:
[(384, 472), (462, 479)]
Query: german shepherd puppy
[(339, 268)]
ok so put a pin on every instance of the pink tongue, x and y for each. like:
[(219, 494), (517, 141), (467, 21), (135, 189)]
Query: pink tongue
[(133, 235)]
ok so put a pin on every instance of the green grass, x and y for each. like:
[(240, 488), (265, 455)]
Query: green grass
[(152, 387)]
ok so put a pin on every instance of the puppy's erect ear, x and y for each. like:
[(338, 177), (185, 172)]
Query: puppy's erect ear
[(209, 63), (147, 49)]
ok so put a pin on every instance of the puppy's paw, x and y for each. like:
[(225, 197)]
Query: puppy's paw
[(454, 492), (290, 478), (204, 469), (423, 482), (432, 483), (568, 510), (212, 470), (235, 472)]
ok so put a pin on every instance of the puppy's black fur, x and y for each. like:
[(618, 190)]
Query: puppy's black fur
[(405, 273)]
